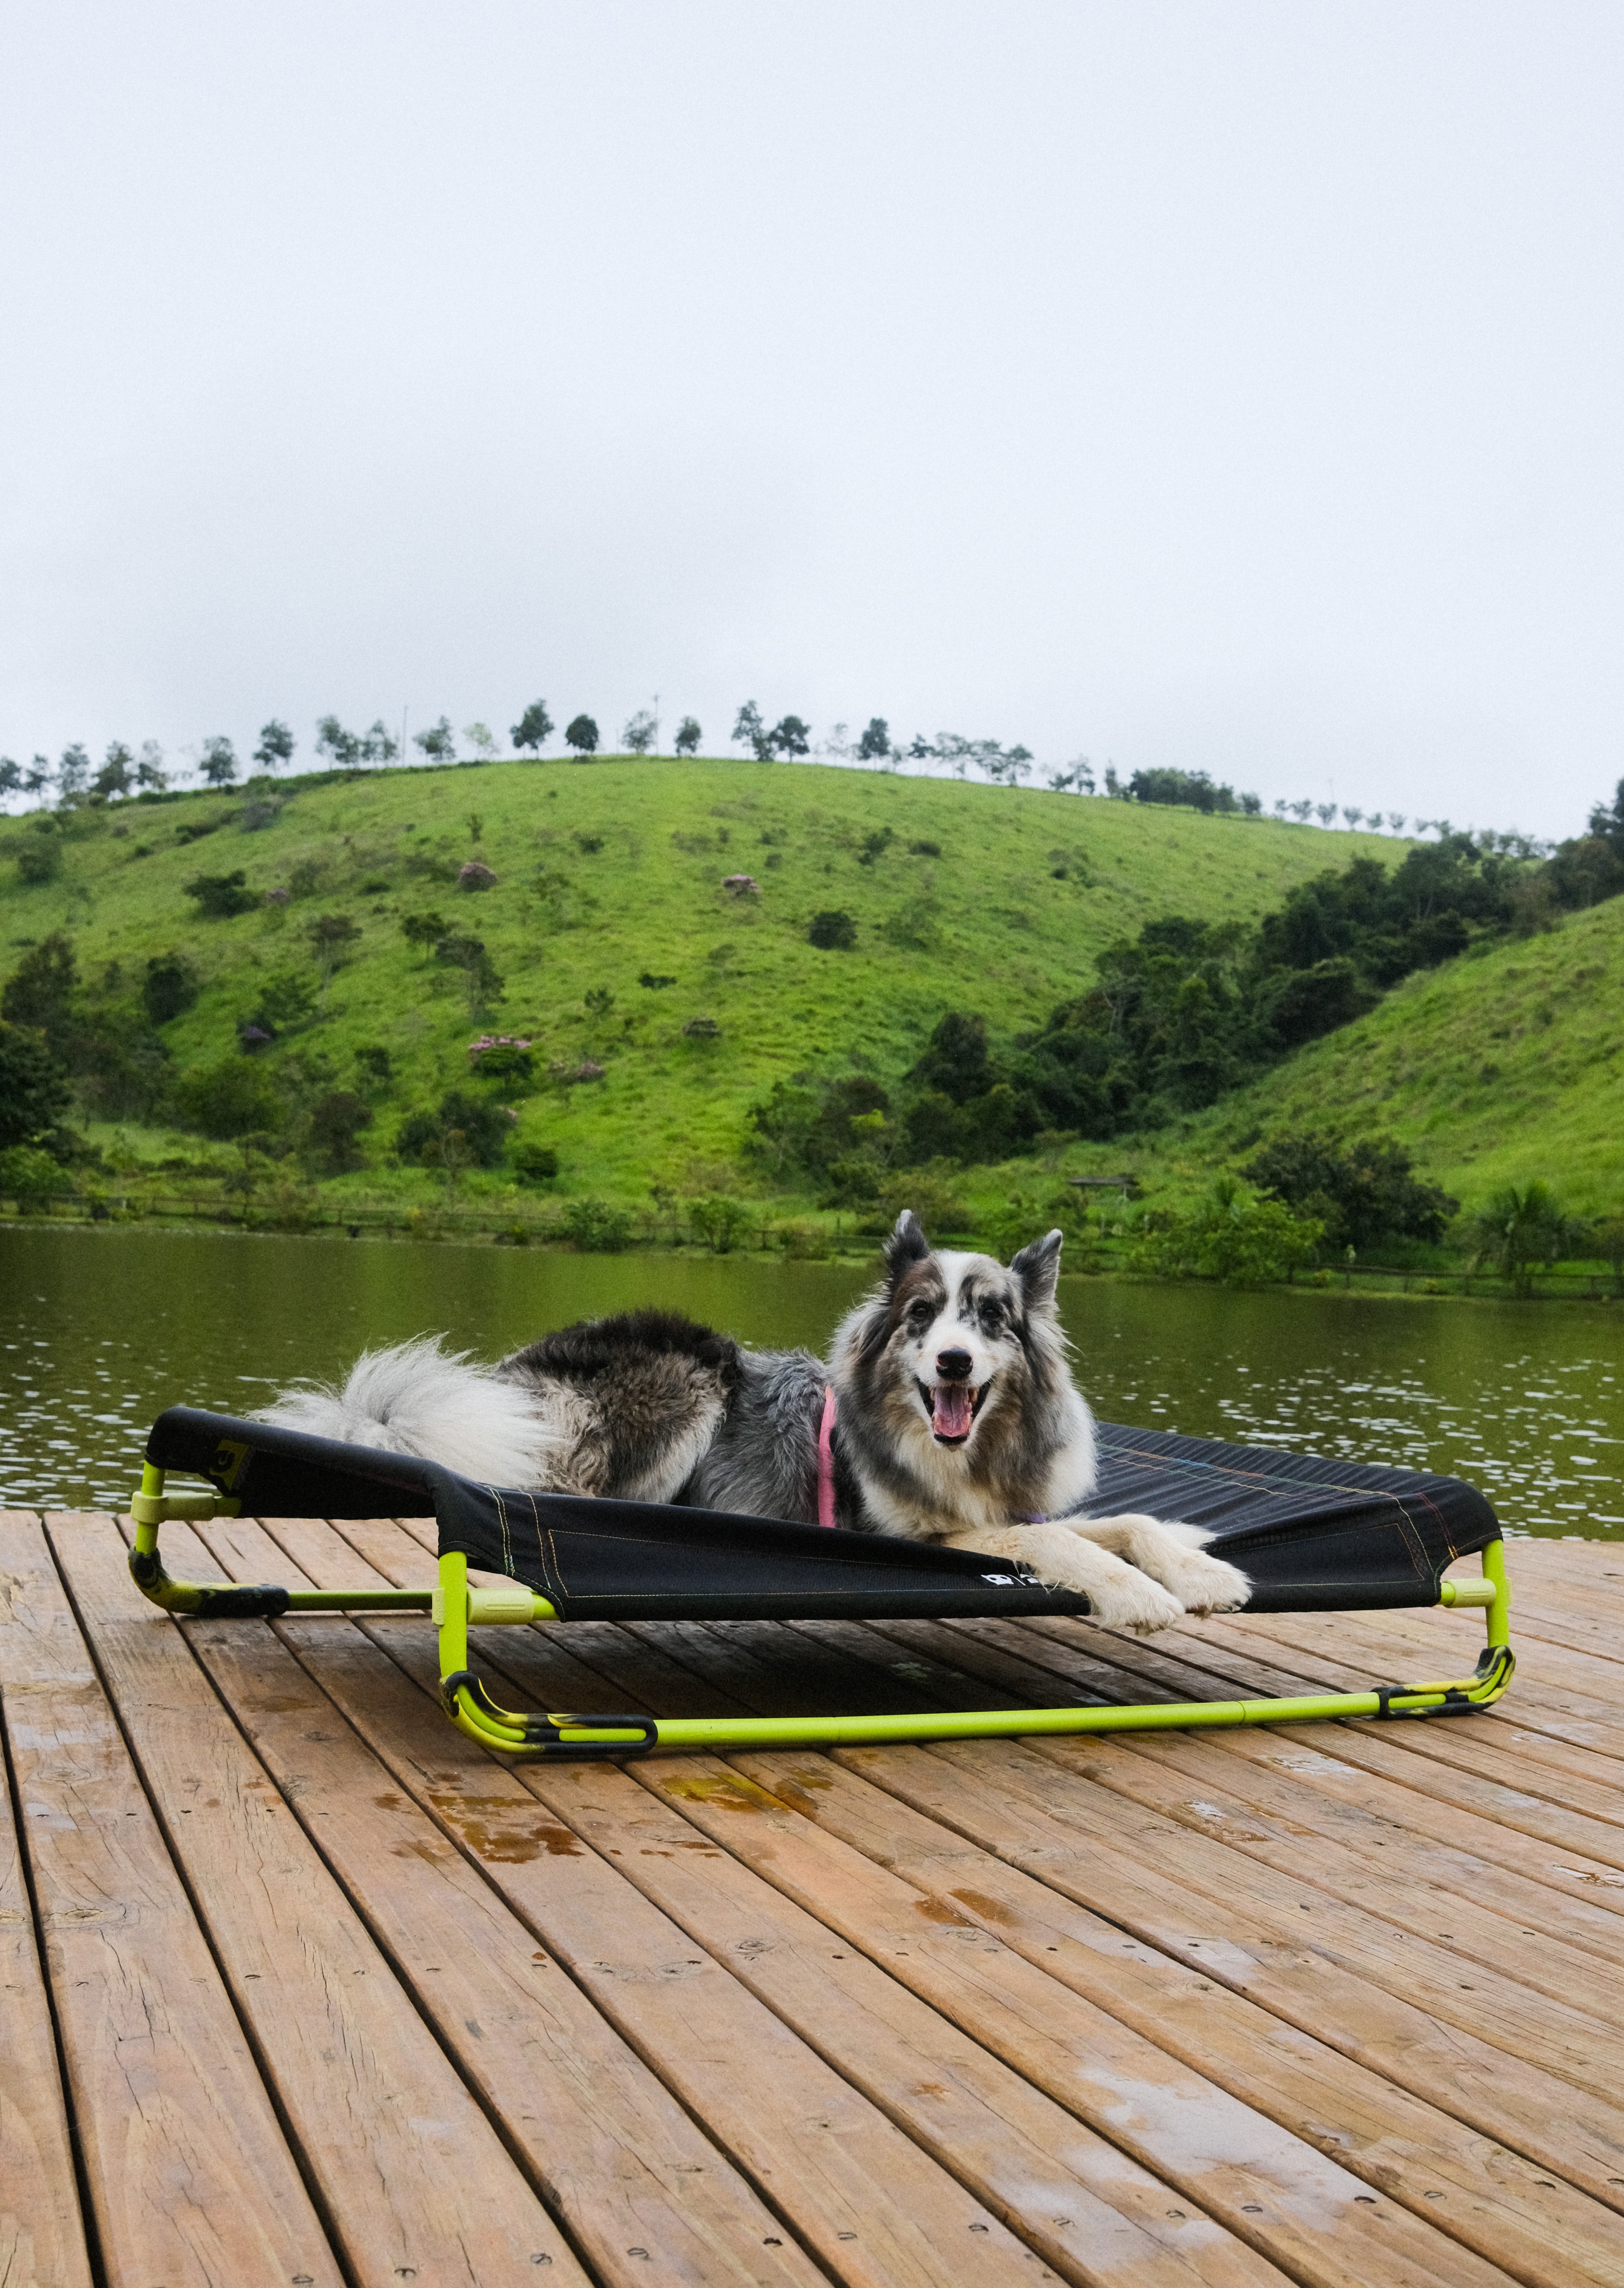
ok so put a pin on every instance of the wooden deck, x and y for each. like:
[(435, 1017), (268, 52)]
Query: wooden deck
[(302, 1987)]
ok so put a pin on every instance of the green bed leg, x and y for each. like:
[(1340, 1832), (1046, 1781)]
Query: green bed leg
[(471, 1708), (237, 1601)]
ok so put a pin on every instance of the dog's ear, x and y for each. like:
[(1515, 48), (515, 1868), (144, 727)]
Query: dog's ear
[(907, 1244), (1038, 1267)]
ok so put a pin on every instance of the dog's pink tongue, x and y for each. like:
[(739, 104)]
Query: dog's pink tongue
[(950, 1410)]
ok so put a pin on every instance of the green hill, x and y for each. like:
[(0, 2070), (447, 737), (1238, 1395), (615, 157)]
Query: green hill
[(1504, 1066), (961, 895)]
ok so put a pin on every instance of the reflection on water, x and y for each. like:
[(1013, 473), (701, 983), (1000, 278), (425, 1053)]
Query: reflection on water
[(101, 1331)]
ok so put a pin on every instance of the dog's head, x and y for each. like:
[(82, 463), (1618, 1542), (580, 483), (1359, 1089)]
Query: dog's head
[(960, 1340)]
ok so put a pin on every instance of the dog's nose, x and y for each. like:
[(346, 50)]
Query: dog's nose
[(953, 1366)]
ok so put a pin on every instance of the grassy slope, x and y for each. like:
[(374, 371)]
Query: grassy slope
[(1494, 1070), (986, 925)]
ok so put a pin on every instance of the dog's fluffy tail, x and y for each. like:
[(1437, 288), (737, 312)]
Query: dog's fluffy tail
[(419, 1398)]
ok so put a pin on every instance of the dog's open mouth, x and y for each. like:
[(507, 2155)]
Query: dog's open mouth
[(952, 1407)]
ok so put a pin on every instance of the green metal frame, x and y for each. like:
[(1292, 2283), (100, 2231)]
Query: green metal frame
[(455, 1607)]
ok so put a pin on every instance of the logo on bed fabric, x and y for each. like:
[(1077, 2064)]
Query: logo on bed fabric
[(230, 1457)]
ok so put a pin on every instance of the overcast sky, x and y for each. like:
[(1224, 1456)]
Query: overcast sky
[(1232, 387)]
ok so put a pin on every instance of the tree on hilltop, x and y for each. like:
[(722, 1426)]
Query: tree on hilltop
[(582, 735), (219, 762), (437, 742), (638, 735), (688, 735), (71, 773), (534, 729), (875, 745), (117, 775), (332, 739), (276, 745), (789, 737), (750, 731)]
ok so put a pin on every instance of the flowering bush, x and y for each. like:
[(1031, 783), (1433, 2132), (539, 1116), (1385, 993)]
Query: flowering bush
[(741, 886), (501, 1057), (474, 876)]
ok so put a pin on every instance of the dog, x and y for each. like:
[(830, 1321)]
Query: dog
[(945, 1413)]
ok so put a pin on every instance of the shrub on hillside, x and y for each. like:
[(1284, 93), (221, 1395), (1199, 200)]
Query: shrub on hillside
[(834, 931), (535, 1163), (39, 855), (34, 1093), (219, 896), (486, 1127), (1364, 1195), (287, 1000), (503, 1057), (170, 986), (336, 1121), (481, 979), (39, 994), (810, 1123), (230, 1098)]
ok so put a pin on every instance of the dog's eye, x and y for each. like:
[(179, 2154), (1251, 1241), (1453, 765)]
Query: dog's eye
[(992, 1319), (919, 1317)]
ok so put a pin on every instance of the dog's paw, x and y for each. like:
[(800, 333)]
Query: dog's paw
[(1132, 1601), (1206, 1585)]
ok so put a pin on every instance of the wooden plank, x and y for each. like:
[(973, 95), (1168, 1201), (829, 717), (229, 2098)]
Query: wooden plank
[(1362, 1768), (42, 2234), (1366, 1817), (1565, 2041), (402, 1560), (973, 2048), (188, 2174), (411, 2172), (1187, 1779), (1459, 2182), (1570, 1835), (1373, 1821), (618, 2159), (1132, 1870), (1307, 2212), (874, 2208), (1074, 2200)]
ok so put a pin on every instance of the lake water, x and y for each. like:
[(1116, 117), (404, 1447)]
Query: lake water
[(101, 1329)]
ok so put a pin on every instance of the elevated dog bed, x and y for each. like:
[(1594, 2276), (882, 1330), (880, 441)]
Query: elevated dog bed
[(1311, 1536)]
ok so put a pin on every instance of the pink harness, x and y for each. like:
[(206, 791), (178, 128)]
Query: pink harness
[(826, 1459)]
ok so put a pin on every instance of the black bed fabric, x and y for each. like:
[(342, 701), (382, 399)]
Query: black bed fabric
[(1311, 1534)]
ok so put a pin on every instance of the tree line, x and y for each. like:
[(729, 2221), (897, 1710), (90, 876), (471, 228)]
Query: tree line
[(75, 778)]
